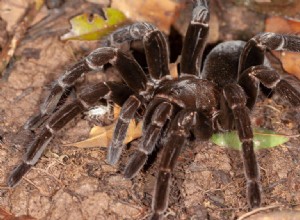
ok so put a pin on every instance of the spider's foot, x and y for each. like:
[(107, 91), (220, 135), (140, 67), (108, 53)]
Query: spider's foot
[(156, 216), (113, 155), (136, 163), (254, 194), (18, 173)]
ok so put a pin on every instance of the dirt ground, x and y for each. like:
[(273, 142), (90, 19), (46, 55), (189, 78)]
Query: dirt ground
[(72, 183)]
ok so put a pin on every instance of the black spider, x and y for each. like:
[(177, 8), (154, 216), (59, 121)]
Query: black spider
[(196, 103)]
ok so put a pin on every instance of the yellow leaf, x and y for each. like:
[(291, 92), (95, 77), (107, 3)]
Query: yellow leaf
[(39, 4), (85, 27), (102, 136)]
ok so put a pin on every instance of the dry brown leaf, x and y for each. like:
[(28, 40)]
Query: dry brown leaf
[(173, 67), (101, 136), (282, 25), (290, 61), (160, 13)]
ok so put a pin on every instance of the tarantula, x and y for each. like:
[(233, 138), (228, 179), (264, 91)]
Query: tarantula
[(197, 103)]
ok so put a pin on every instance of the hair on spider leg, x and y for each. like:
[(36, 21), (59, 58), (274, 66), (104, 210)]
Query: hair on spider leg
[(1, 139), (38, 120)]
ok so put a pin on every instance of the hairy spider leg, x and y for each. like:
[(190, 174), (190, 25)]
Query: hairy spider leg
[(255, 48), (236, 99), (155, 46), (203, 127), (129, 69), (127, 113), (253, 54), (195, 39), (88, 98), (175, 140), (151, 134), (157, 56), (287, 87)]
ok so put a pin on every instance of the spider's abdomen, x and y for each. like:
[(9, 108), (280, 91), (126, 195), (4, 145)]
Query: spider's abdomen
[(190, 92), (221, 64)]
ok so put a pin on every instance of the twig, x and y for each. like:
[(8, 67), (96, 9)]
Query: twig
[(50, 175), (273, 108), (19, 32), (253, 212)]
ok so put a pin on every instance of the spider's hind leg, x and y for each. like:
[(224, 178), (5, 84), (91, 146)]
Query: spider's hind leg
[(254, 50), (38, 120), (129, 69), (253, 56), (59, 119), (288, 87)]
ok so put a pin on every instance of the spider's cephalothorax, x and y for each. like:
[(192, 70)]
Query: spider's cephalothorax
[(196, 103)]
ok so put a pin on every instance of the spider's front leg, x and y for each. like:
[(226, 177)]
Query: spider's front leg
[(236, 99), (127, 113), (116, 92), (195, 39), (151, 133), (175, 140)]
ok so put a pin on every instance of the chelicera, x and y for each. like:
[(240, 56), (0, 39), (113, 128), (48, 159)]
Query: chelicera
[(198, 103)]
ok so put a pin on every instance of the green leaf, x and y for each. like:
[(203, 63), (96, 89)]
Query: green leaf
[(262, 139), (86, 28)]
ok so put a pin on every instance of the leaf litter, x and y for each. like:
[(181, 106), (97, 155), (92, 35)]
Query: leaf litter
[(208, 178)]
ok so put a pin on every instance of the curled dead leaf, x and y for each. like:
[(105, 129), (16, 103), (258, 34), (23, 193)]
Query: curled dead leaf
[(102, 136)]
